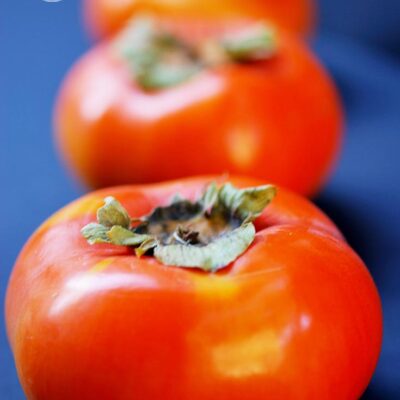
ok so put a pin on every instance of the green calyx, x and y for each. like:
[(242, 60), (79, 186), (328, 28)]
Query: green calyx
[(157, 59), (208, 234), (257, 42)]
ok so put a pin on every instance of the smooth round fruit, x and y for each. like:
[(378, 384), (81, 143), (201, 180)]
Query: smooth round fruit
[(296, 316), (279, 120)]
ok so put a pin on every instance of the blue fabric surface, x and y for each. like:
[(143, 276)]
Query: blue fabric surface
[(374, 21), (38, 43)]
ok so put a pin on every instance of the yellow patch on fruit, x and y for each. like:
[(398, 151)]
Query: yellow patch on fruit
[(243, 147), (215, 287), (102, 265), (259, 353), (87, 205)]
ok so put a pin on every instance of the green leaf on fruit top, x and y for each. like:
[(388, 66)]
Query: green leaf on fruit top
[(158, 59), (208, 234)]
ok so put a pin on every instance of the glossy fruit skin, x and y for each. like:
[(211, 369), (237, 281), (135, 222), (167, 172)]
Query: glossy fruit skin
[(106, 17), (279, 120), (297, 316)]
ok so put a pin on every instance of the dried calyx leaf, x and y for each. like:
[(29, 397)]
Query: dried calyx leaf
[(209, 233), (157, 59), (257, 42), (112, 213), (248, 204), (209, 197), (212, 257)]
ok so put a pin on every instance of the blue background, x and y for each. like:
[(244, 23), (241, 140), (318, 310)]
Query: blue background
[(359, 41)]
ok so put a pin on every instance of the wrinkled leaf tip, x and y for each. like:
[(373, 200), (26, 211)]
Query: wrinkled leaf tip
[(270, 191), (138, 252), (211, 257)]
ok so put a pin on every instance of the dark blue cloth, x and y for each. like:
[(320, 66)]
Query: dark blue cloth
[(376, 22), (38, 43)]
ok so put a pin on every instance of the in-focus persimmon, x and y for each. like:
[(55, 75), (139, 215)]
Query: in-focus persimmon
[(192, 290)]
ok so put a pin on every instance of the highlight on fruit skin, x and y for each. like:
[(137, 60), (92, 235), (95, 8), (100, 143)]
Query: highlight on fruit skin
[(158, 102), (106, 17), (99, 321)]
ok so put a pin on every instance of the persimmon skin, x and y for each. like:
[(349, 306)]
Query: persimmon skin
[(278, 120), (297, 316), (105, 17)]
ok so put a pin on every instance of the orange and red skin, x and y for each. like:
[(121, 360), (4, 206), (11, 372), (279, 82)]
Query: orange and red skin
[(139, 329), (106, 17), (278, 120)]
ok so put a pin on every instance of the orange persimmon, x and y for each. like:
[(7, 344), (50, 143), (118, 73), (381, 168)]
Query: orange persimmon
[(295, 316), (270, 112)]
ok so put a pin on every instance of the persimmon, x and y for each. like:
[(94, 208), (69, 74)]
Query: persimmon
[(194, 289), (157, 103)]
